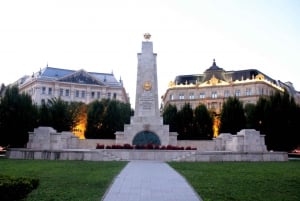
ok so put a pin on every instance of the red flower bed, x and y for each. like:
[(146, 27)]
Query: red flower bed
[(147, 147)]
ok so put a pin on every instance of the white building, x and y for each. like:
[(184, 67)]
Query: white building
[(71, 85)]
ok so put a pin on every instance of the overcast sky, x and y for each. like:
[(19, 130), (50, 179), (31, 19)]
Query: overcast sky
[(105, 36)]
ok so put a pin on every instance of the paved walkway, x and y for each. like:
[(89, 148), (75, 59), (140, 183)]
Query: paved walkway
[(150, 181)]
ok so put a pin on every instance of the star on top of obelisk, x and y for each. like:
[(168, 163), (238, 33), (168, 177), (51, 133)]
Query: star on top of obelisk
[(147, 36)]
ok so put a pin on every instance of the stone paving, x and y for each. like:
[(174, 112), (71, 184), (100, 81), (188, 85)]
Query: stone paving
[(150, 181)]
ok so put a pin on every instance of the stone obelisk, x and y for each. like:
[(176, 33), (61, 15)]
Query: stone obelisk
[(146, 126), (146, 101)]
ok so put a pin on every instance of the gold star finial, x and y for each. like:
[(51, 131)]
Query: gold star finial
[(147, 36)]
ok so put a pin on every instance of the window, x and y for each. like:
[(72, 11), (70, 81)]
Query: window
[(248, 92), (93, 94), (238, 92), (171, 97), (115, 96), (214, 94), (82, 94), (67, 92), (50, 91), (226, 93), (202, 95), (61, 92), (43, 101), (43, 90), (98, 94), (76, 93), (108, 95), (191, 96), (261, 91), (214, 105), (181, 96)]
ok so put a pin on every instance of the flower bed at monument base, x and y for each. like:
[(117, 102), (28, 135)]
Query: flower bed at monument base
[(146, 146)]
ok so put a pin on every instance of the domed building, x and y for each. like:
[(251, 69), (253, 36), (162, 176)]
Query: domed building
[(216, 84)]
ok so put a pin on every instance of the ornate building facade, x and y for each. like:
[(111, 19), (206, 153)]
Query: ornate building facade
[(71, 85), (215, 85)]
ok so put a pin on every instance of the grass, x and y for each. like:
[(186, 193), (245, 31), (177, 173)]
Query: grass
[(243, 181), (64, 180), (232, 181)]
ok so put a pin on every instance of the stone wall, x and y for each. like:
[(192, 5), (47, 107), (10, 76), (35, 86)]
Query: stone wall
[(159, 155), (45, 143), (201, 145)]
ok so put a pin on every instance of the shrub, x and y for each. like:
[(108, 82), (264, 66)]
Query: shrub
[(127, 146), (149, 146), (188, 148), (99, 146), (12, 188)]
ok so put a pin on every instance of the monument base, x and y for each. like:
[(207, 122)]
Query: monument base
[(133, 134)]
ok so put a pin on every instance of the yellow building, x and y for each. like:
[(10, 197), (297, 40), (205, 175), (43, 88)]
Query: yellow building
[(215, 85)]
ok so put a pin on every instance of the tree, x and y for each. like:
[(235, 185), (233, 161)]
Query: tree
[(105, 117), (2, 89), (61, 117), (185, 122), (250, 111), (125, 113), (17, 117), (278, 119), (44, 115), (170, 117), (111, 120), (232, 116), (94, 120), (203, 123), (78, 113)]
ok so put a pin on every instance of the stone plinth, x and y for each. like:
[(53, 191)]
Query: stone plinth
[(247, 140), (46, 138)]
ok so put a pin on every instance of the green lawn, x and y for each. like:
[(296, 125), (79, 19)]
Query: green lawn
[(231, 181), (64, 180), (243, 181)]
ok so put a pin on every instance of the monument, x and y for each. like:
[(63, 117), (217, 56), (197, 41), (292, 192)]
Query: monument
[(146, 126)]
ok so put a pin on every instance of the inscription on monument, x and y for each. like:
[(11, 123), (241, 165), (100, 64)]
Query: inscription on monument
[(147, 100)]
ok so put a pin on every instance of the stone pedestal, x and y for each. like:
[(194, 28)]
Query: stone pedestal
[(146, 125), (46, 138), (247, 140)]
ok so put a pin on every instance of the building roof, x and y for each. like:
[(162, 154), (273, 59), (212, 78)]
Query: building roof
[(74, 76), (228, 76)]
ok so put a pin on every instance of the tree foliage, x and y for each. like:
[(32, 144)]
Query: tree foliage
[(105, 117), (232, 116), (17, 116), (278, 118), (188, 123), (203, 123), (185, 122), (250, 114), (170, 117)]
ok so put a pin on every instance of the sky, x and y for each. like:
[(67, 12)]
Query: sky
[(106, 35)]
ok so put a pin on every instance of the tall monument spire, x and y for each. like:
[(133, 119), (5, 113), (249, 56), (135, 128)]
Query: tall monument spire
[(146, 126), (146, 103)]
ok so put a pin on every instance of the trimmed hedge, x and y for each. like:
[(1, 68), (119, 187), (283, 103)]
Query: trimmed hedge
[(16, 188)]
